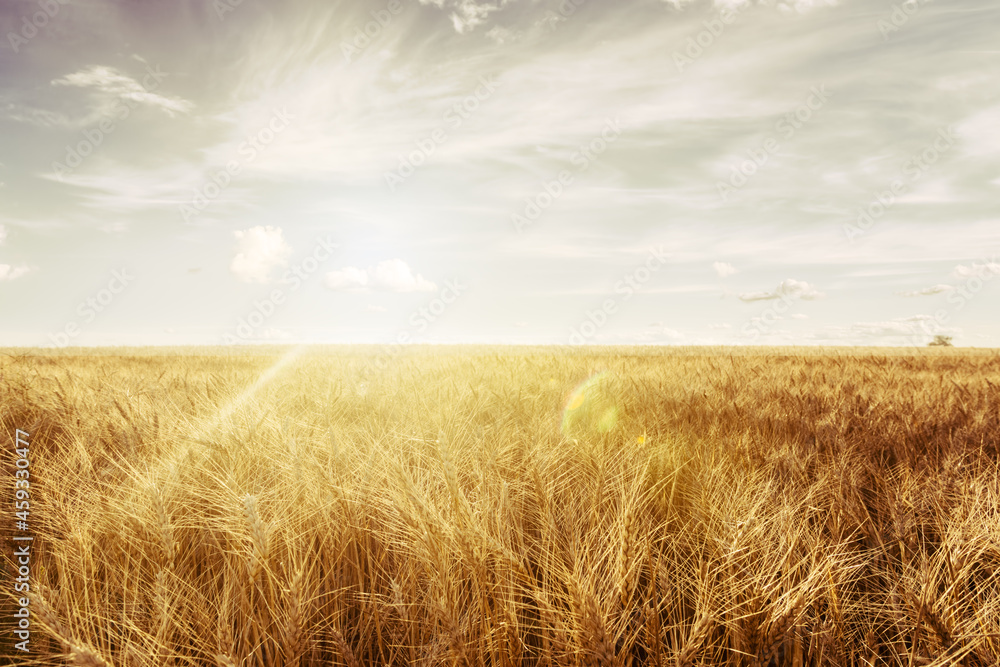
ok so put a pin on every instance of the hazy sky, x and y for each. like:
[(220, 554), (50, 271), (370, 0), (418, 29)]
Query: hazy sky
[(648, 171)]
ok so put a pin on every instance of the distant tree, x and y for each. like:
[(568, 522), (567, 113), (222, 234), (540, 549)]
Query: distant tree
[(940, 340)]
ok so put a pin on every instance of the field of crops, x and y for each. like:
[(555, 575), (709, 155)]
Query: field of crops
[(506, 506)]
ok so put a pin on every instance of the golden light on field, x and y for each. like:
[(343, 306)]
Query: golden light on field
[(591, 407), (223, 510)]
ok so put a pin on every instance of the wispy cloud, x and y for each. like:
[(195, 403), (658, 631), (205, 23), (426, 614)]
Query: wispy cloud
[(108, 84), (928, 291), (789, 288), (391, 275)]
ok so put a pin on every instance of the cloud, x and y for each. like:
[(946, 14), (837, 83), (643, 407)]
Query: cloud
[(724, 269), (799, 316), (372, 308), (915, 330), (259, 251), (803, 6), (987, 269), (391, 275), (8, 272), (790, 288), (109, 83), (502, 35), (467, 15), (720, 326), (928, 291)]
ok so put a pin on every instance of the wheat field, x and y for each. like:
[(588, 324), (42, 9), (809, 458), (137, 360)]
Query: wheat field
[(507, 506)]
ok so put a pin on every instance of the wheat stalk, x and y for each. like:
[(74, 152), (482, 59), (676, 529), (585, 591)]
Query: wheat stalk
[(258, 536), (295, 616), (344, 648), (695, 640)]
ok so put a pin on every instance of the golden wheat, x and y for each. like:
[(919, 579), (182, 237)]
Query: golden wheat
[(784, 507)]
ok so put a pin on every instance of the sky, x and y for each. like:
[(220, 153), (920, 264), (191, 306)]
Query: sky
[(666, 172)]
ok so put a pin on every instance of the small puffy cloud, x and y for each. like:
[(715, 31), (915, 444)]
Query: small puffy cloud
[(799, 316), (720, 326), (391, 275), (724, 269), (8, 272), (791, 288), (259, 250), (928, 291), (372, 308)]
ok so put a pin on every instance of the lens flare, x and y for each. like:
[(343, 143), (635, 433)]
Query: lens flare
[(590, 408)]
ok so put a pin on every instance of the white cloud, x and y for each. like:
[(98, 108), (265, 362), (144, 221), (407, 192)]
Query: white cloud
[(799, 316), (915, 330), (724, 269), (347, 278), (803, 6), (112, 84), (8, 272), (259, 251), (467, 14), (987, 269), (391, 275), (928, 291), (372, 308), (720, 326), (501, 35), (788, 288)]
